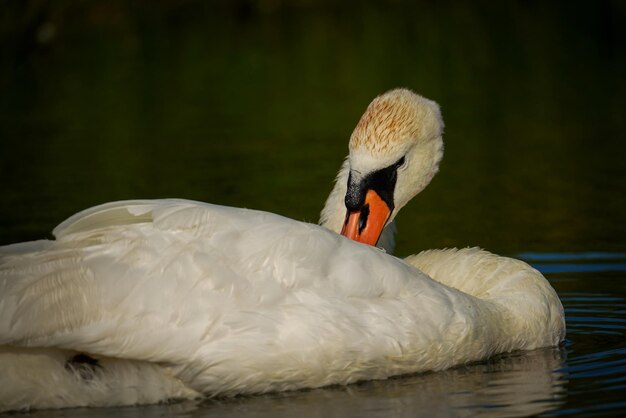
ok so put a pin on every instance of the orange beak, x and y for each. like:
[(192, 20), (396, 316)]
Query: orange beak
[(366, 225)]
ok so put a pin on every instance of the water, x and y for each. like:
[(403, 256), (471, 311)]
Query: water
[(251, 105)]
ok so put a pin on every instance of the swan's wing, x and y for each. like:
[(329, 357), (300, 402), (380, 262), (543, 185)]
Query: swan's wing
[(161, 280), (112, 214), (124, 278)]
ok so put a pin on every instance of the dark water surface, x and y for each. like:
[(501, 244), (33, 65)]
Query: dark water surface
[(252, 103)]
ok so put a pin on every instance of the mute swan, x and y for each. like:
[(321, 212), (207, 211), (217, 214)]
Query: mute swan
[(148, 300)]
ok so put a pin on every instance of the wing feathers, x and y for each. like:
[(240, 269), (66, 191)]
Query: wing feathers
[(109, 214)]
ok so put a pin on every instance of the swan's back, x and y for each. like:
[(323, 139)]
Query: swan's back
[(241, 300)]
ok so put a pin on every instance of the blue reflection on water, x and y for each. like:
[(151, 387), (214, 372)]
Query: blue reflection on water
[(532, 256), (578, 268), (585, 263)]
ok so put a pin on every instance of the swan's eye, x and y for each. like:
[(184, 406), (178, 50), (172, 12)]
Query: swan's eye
[(401, 163)]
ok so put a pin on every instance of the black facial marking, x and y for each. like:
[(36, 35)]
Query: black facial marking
[(382, 182), (355, 196)]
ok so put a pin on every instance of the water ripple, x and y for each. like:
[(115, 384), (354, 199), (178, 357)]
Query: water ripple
[(530, 256), (585, 262)]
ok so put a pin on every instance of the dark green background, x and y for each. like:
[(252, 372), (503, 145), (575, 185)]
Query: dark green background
[(251, 103)]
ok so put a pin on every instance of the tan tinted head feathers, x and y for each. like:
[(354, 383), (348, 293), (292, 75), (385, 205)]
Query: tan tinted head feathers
[(393, 119)]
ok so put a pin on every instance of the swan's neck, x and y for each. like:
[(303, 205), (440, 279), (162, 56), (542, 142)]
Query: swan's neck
[(334, 213)]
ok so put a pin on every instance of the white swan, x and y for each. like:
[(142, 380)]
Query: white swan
[(143, 301)]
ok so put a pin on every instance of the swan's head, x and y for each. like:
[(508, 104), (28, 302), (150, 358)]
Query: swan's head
[(395, 151)]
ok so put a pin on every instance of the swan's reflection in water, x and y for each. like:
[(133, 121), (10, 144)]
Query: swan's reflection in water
[(510, 385)]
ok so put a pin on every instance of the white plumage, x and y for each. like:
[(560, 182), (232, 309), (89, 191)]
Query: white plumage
[(177, 299)]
